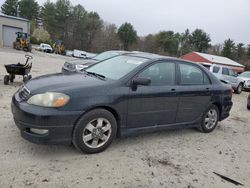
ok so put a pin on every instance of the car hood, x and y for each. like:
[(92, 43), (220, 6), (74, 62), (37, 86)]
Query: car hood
[(243, 78), (63, 82)]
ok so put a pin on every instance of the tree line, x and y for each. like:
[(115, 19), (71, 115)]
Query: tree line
[(81, 29)]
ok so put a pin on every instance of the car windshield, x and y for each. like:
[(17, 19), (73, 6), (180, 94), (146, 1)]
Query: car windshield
[(105, 55), (117, 67), (245, 74)]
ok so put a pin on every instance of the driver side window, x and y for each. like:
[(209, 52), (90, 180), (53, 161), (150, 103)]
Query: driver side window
[(160, 74)]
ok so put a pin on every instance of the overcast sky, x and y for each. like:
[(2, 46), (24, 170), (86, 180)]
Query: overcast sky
[(222, 19)]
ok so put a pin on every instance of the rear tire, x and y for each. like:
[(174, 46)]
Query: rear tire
[(95, 131), (209, 119), (6, 79)]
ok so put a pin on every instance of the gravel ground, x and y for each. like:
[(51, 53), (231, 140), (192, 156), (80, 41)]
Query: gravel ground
[(174, 158)]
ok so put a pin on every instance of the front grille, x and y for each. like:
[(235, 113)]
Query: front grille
[(24, 93)]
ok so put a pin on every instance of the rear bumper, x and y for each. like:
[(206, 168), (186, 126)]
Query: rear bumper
[(225, 111), (58, 124)]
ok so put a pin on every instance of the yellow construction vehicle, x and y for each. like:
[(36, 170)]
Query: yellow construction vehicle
[(22, 42), (58, 47)]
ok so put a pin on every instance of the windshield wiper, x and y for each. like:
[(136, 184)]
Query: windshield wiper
[(96, 74)]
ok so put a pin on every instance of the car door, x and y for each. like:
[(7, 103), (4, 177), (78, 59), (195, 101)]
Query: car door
[(194, 92), (225, 74), (232, 76), (154, 104)]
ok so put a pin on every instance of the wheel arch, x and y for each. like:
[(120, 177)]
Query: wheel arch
[(219, 106), (109, 109)]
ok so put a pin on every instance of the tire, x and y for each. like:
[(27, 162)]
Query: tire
[(12, 77), (208, 124), (248, 107), (25, 78), (97, 138), (239, 89), (29, 47), (6, 79)]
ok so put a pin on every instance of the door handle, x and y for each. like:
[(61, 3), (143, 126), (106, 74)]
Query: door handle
[(173, 89)]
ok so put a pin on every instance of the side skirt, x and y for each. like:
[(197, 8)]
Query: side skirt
[(125, 131)]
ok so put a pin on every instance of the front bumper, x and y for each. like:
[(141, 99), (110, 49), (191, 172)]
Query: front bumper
[(59, 124), (247, 85), (66, 70)]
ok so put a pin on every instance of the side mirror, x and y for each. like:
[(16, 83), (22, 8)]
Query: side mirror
[(141, 81)]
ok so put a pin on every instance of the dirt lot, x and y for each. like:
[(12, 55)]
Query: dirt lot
[(175, 158)]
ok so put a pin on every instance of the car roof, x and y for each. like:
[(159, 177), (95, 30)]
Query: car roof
[(152, 56), (118, 51)]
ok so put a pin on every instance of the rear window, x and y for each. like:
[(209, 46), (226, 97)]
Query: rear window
[(192, 75)]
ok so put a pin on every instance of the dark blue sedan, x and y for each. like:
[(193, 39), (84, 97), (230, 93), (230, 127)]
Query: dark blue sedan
[(121, 96)]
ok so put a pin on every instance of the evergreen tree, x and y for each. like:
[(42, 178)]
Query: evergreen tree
[(200, 40), (240, 51), (228, 49), (29, 9), (127, 35), (10, 7)]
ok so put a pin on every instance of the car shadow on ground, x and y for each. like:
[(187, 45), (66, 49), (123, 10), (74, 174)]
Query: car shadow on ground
[(120, 144)]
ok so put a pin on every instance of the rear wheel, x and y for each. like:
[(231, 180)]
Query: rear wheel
[(6, 79), (210, 119), (16, 45), (95, 131)]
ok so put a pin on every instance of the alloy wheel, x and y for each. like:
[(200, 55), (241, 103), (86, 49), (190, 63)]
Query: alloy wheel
[(211, 119), (97, 132)]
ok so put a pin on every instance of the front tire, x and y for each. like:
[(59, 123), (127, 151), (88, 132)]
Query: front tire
[(210, 119), (239, 89), (95, 131)]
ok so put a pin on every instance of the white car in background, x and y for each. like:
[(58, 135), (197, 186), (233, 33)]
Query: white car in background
[(246, 77), (45, 48), (227, 75)]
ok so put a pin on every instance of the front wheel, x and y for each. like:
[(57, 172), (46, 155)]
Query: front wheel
[(25, 78), (95, 131), (239, 88), (210, 119)]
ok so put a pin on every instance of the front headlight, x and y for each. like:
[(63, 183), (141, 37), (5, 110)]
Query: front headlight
[(69, 65), (80, 67), (49, 99)]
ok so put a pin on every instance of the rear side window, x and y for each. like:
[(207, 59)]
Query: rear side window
[(225, 71), (216, 69), (192, 75)]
